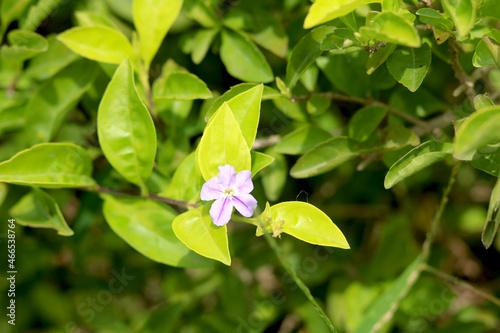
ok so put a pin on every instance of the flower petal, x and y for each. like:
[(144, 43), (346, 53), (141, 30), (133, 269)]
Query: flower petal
[(245, 204), (211, 190), (243, 182), (221, 211), (227, 175)]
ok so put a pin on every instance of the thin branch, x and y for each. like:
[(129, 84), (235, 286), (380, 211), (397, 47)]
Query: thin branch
[(155, 197), (266, 142), (431, 235), (462, 283), (467, 83)]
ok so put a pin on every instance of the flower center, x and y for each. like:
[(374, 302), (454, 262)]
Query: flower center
[(228, 192)]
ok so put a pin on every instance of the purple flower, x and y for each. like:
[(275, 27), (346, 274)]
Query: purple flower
[(229, 189)]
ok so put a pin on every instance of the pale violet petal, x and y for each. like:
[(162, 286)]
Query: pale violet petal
[(227, 175), (243, 182), (245, 204), (211, 190), (221, 211)]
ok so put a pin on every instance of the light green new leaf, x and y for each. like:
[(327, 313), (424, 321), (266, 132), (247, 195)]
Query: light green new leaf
[(146, 225), (325, 157), (186, 182), (92, 19), (303, 221), (243, 59), (301, 140), (267, 94), (259, 161), (199, 43), (196, 230), (493, 218), (37, 209), (418, 158), (198, 11), (48, 108), (50, 165), (246, 108), (322, 11), (181, 86), (365, 121), (307, 50), (126, 131), (383, 309), (103, 44), (409, 66), (24, 45), (478, 130), (463, 14), (393, 28), (153, 19), (274, 178), (222, 143)]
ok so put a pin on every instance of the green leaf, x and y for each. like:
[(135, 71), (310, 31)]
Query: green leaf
[(126, 131), (305, 53), (48, 108), (37, 209), (301, 140), (365, 121), (274, 178), (39, 12), (47, 64), (478, 130), (409, 66), (493, 218), (317, 104), (482, 55), (243, 59), (393, 28), (147, 226), (323, 11), (379, 56), (198, 43), (11, 10), (186, 182), (494, 47), (398, 136), (462, 13), (259, 161), (24, 45), (434, 18), (196, 229), (303, 221), (489, 163), (153, 19), (270, 33), (482, 101), (181, 86), (222, 143), (200, 12), (325, 157), (418, 158), (103, 44), (383, 309), (50, 165)]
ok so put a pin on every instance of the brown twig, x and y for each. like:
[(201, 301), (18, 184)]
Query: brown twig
[(156, 197)]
